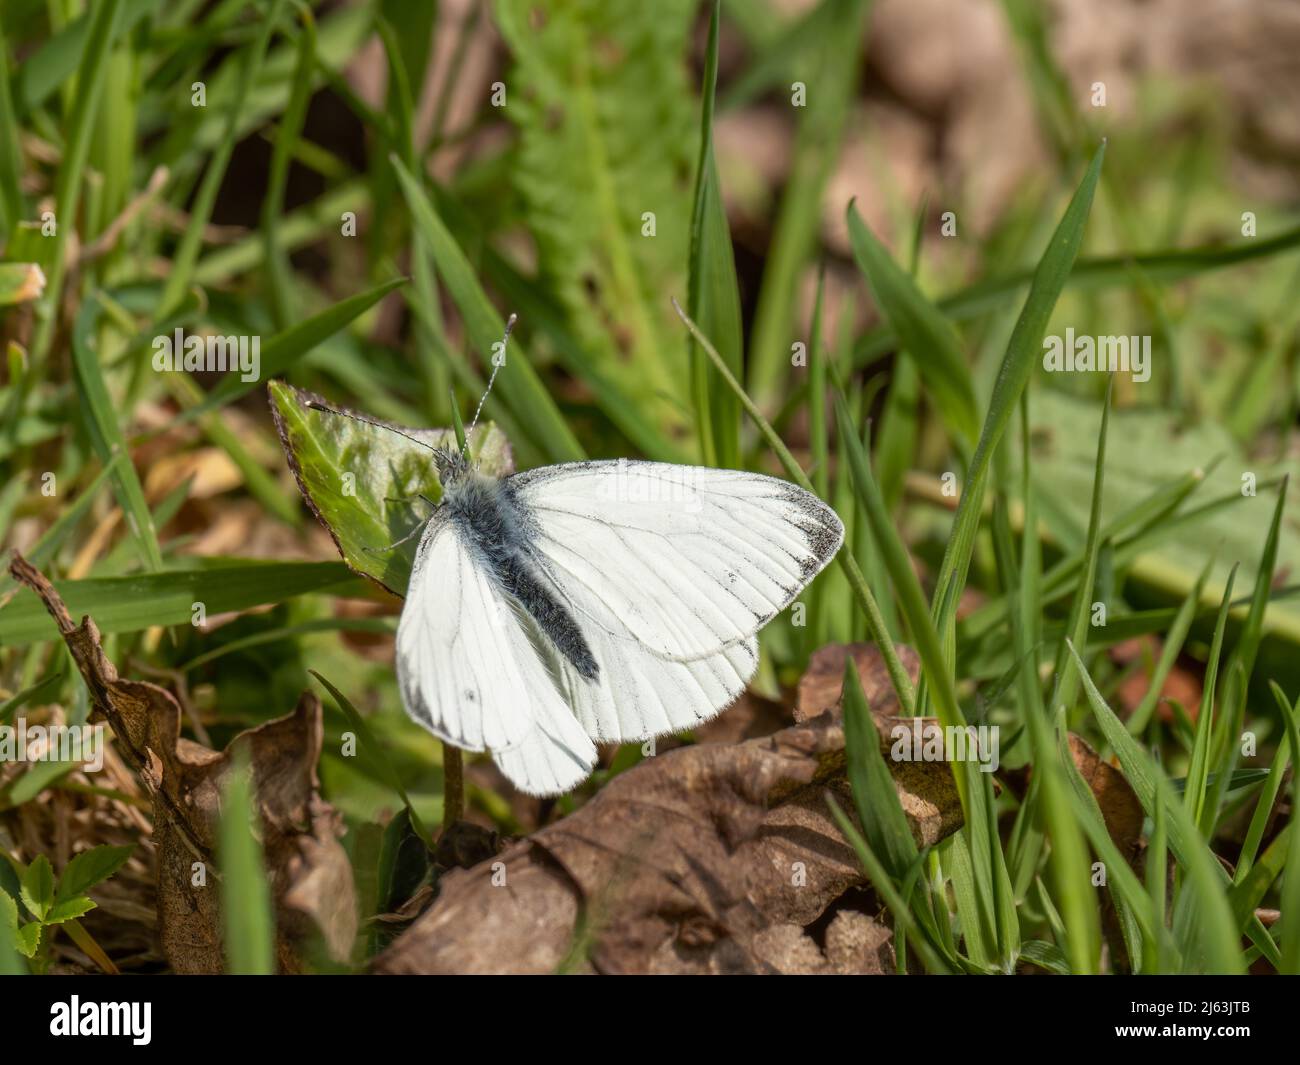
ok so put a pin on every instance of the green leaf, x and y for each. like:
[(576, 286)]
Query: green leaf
[(29, 939), (69, 909), (363, 481), (922, 330), (38, 887), (129, 604), (10, 942), (91, 867)]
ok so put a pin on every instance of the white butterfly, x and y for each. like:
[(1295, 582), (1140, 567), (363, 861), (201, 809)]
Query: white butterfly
[(596, 601)]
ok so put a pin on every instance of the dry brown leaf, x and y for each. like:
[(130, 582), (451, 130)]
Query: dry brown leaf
[(707, 858), (309, 873), (1120, 807)]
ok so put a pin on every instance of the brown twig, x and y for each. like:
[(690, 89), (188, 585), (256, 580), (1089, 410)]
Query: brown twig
[(453, 786)]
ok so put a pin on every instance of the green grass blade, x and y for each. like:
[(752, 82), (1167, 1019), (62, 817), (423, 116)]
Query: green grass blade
[(278, 269), (1067, 682), (930, 955), (247, 920), (1214, 929), (129, 604), (714, 290), (284, 349), (1199, 771), (922, 331), (829, 74), (373, 752), (879, 811), (1021, 357), (69, 183), (186, 256), (106, 435), (521, 389)]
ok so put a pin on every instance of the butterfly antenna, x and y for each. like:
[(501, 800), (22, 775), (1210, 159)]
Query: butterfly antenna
[(498, 360), (313, 405)]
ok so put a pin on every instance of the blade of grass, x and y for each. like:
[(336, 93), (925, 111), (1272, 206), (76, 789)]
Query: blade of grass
[(929, 953), (829, 82), (714, 291), (245, 897), (285, 348), (1214, 928), (133, 603), (1026, 341), (1166, 265), (1194, 792), (923, 332), (1067, 683), (278, 270), (106, 435), (522, 390), (1240, 666), (186, 256), (68, 187), (1173, 640)]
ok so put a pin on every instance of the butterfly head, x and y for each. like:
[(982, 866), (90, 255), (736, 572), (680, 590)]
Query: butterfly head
[(453, 466)]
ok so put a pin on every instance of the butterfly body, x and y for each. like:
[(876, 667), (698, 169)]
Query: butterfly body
[(497, 527), (596, 601)]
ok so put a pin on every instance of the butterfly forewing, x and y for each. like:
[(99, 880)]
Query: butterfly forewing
[(681, 560)]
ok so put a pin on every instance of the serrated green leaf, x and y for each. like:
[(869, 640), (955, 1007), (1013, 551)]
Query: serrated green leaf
[(69, 909), (29, 939), (92, 867), (38, 887)]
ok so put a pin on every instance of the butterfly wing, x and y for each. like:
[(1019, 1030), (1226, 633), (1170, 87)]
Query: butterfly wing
[(670, 571), (469, 669)]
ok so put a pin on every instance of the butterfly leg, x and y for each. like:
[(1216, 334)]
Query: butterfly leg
[(405, 539), (408, 499)]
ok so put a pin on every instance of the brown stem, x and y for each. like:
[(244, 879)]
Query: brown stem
[(453, 786)]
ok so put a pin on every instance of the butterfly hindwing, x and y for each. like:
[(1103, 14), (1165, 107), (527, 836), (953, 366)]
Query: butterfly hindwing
[(469, 671)]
